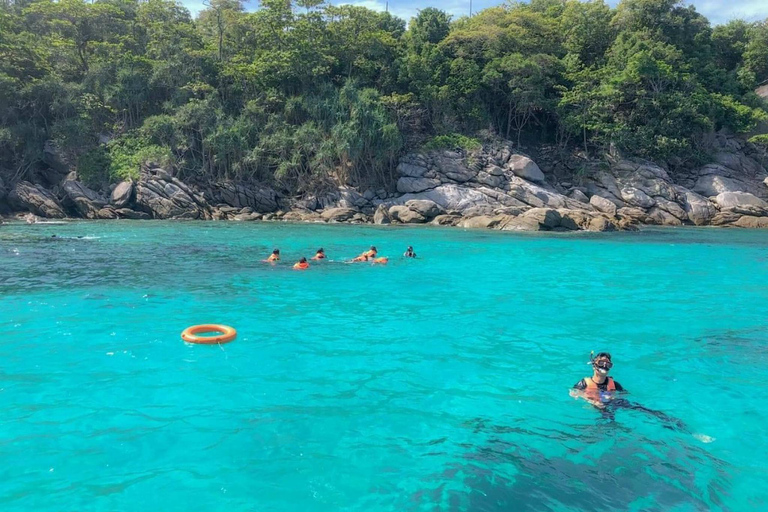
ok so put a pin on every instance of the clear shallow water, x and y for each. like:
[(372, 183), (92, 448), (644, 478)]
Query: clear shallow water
[(439, 384)]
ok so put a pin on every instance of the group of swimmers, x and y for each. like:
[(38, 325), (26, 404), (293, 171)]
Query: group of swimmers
[(371, 255)]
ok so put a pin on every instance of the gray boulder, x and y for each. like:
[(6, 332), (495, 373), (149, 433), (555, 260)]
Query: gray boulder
[(526, 168), (127, 213), (747, 221), (636, 197), (522, 223), (663, 218), (454, 169), (671, 208), (698, 209), (339, 214), (406, 215), (86, 201), (578, 195), (381, 215), (415, 185), (424, 207), (712, 185), (548, 218), (603, 205), (446, 220), (240, 195), (451, 197), (490, 180), (731, 199), (482, 222), (601, 224), (122, 195), (411, 170), (36, 199), (153, 197), (351, 198)]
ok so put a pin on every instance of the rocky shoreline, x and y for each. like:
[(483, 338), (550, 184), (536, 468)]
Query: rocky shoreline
[(492, 188)]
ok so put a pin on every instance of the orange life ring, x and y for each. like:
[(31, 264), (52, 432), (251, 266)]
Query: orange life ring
[(227, 334)]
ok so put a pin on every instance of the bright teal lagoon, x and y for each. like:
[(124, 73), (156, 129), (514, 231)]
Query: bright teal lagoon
[(439, 384)]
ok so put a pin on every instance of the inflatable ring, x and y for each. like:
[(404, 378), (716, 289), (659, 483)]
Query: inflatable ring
[(190, 334)]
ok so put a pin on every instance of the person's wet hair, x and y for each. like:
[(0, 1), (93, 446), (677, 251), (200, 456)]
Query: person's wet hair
[(276, 251), (321, 250), (603, 355), (303, 260)]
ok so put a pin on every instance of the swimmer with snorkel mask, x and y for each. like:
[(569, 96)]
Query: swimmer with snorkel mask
[(601, 391), (599, 388)]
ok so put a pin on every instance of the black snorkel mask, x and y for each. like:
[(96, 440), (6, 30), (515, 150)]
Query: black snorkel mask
[(602, 365)]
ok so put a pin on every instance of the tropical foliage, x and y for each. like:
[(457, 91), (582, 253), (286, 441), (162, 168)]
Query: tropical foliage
[(304, 94)]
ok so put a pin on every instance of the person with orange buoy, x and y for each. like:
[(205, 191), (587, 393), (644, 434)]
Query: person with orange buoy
[(302, 264), (274, 257), (371, 253), (320, 255)]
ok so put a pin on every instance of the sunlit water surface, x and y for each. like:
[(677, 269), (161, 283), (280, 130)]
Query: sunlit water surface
[(439, 384)]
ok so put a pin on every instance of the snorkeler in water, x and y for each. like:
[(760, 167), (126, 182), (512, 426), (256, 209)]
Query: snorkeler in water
[(599, 388), (601, 391)]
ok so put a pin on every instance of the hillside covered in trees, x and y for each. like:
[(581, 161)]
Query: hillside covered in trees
[(303, 95)]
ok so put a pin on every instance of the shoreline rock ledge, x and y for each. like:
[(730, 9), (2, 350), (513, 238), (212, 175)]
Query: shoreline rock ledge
[(492, 188)]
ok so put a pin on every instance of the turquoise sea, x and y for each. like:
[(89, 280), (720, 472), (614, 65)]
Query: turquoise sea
[(437, 384)]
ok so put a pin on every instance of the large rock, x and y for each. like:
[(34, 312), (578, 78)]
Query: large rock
[(747, 221), (731, 199), (122, 195), (546, 217), (451, 197), (86, 201), (522, 223), (578, 195), (601, 224), (526, 168), (490, 180), (712, 185), (453, 168), (351, 198), (698, 209), (411, 170), (241, 194), (415, 185), (724, 218), (381, 215), (127, 213), (36, 199), (634, 215), (482, 222), (165, 200), (339, 214), (575, 219), (636, 197), (446, 220), (424, 207), (406, 215), (603, 205), (663, 218), (671, 208)]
